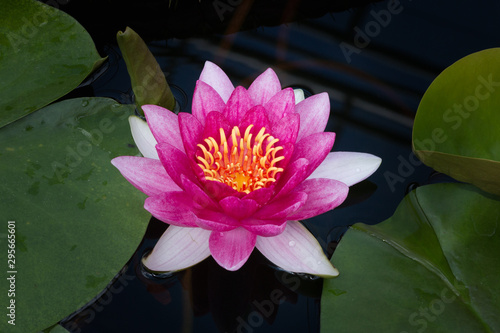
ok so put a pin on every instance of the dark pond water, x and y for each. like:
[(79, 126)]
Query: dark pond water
[(375, 84)]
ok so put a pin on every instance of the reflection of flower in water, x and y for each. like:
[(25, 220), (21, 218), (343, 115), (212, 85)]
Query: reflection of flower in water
[(248, 298), (239, 172)]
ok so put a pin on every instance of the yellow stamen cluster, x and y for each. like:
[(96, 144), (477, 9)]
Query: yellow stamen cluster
[(244, 163)]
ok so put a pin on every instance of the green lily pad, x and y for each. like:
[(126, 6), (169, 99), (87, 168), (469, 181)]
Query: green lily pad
[(77, 221), (433, 266), (55, 329), (148, 81), (44, 54), (456, 129)]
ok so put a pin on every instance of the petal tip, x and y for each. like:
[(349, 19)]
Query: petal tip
[(328, 273), (215, 77), (147, 108), (370, 164), (297, 250), (134, 119), (143, 137), (119, 162), (347, 167), (299, 95)]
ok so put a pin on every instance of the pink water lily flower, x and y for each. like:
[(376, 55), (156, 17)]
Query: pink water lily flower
[(238, 173)]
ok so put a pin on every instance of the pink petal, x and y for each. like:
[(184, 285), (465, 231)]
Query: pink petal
[(217, 79), (205, 100), (191, 132), (261, 196), (143, 138), (314, 112), (238, 208), (280, 105), (293, 175), (287, 129), (164, 125), (173, 208), (200, 199), (322, 195), (280, 208), (232, 249), (218, 190), (178, 248), (296, 250), (215, 220), (265, 86), (287, 153), (265, 228), (213, 123), (146, 174), (348, 167), (257, 117), (314, 148), (237, 106), (175, 162)]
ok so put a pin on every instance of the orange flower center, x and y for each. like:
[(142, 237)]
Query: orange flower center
[(245, 163)]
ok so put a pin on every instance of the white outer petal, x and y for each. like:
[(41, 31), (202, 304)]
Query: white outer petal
[(299, 95), (178, 248), (348, 167), (296, 250), (143, 137)]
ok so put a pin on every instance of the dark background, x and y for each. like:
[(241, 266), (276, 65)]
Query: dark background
[(375, 62)]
